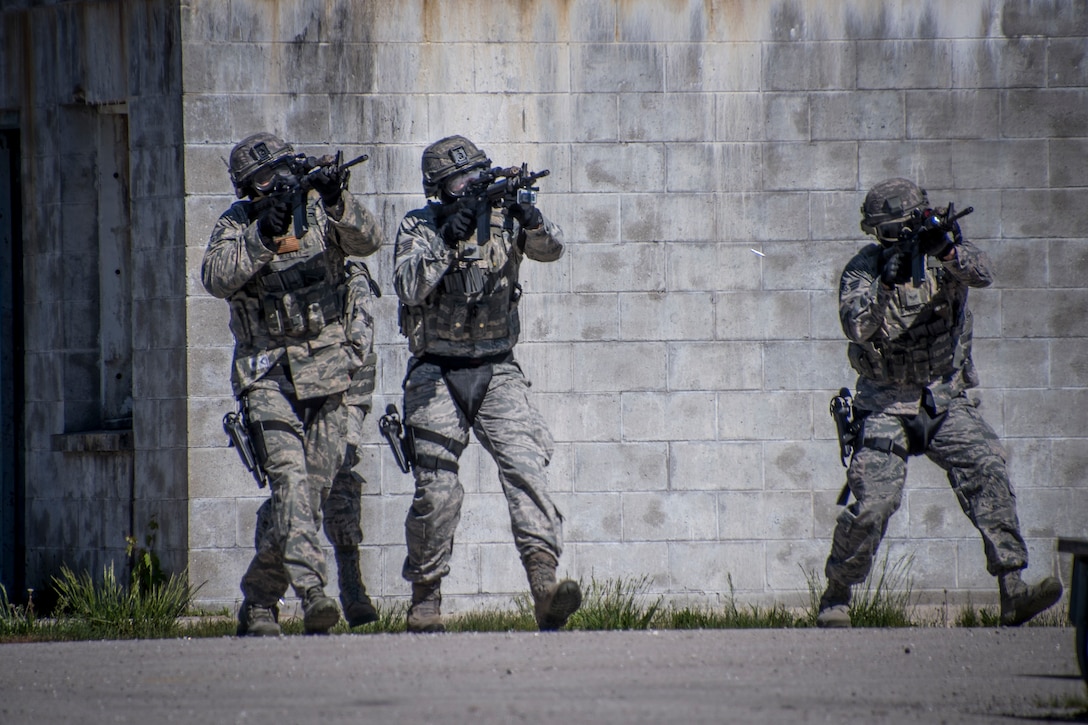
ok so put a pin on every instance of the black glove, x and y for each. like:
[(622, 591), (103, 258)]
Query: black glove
[(275, 219), (935, 243), (458, 226), (894, 266), (328, 182), (527, 215)]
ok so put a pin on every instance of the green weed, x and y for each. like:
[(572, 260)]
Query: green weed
[(615, 604)]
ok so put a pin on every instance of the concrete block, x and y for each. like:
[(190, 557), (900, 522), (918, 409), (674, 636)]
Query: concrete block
[(895, 63), (618, 267), (804, 465), (675, 316), (595, 117), (715, 365), (725, 566), (668, 516), (592, 517), (957, 114), (935, 514), (1042, 213), (611, 467), (1043, 313), (1030, 463), (797, 166), (619, 366), (484, 519), (425, 68), (591, 219), (765, 515), (383, 519), (802, 66), (714, 167), (999, 63), (523, 68), (715, 466), (1014, 363), (718, 267), (825, 318), (790, 564), (1044, 113), (1068, 363), (787, 116), (739, 117), (1070, 457), (926, 564), (626, 167), (799, 265), (764, 416), (501, 571), (841, 115), (712, 67), (218, 572), (1018, 263), (218, 472), (671, 217), (779, 315), (548, 366), (1068, 162), (1065, 63), (627, 562), (652, 117), (1045, 413), (1047, 18), (556, 318), (762, 217), (1047, 513), (618, 67), (644, 413), (582, 418), (377, 119)]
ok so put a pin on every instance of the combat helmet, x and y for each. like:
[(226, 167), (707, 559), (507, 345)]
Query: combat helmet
[(888, 205), (447, 157), (255, 152)]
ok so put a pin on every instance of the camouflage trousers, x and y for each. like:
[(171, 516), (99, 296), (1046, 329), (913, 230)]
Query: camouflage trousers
[(301, 446), (511, 430), (968, 450)]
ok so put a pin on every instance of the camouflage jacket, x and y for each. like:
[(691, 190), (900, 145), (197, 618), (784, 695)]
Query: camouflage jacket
[(289, 307), (911, 344), (463, 302)]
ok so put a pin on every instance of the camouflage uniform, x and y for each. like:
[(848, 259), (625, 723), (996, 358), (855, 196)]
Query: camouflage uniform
[(911, 347), (507, 424), (292, 368), (459, 310)]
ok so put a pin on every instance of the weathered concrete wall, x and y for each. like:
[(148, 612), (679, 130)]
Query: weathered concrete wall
[(95, 91), (708, 160)]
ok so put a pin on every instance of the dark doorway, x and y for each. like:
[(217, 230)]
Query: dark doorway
[(12, 535)]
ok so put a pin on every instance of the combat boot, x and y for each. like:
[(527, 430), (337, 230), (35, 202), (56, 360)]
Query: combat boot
[(834, 610), (257, 621), (554, 601), (425, 614), (1020, 602), (358, 609), (319, 612)]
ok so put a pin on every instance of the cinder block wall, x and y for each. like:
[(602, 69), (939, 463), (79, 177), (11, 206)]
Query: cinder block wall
[(707, 163)]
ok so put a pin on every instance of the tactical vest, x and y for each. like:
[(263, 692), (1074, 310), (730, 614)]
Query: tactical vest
[(474, 308), (928, 336), (293, 297)]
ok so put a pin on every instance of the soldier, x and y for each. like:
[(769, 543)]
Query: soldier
[(342, 509), (456, 274), (910, 342), (277, 257)]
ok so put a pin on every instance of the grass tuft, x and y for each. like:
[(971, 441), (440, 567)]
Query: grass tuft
[(615, 604)]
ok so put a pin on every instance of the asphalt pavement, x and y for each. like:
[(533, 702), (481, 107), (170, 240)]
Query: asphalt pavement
[(919, 675)]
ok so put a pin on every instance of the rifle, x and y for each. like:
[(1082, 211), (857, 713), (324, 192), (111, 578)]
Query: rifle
[(235, 426), (497, 187), (925, 222), (295, 187), (393, 432)]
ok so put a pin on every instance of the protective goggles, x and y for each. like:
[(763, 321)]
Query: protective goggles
[(458, 184), (266, 178)]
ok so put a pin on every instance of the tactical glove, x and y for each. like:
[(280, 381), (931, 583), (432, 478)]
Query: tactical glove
[(527, 215), (275, 219), (458, 226), (934, 243), (894, 266), (329, 183)]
